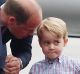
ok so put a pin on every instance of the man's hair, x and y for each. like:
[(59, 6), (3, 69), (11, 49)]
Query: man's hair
[(13, 8), (53, 25)]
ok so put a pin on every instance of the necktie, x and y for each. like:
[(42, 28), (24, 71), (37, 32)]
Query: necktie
[(2, 51)]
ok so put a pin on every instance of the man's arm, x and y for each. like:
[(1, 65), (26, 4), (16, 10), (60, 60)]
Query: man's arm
[(21, 48)]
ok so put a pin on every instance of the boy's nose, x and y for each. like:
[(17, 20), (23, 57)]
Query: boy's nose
[(52, 46)]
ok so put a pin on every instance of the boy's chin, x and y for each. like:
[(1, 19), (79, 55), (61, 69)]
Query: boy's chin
[(53, 57)]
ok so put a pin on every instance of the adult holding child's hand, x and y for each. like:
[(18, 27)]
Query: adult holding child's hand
[(19, 19)]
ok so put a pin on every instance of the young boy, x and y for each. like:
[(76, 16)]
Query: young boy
[(53, 36)]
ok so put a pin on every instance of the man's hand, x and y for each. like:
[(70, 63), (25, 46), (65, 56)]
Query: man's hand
[(12, 65)]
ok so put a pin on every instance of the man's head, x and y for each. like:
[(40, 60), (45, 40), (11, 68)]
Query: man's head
[(21, 16)]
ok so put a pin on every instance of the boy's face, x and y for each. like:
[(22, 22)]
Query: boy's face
[(51, 45)]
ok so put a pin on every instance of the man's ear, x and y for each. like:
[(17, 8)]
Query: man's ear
[(65, 41), (11, 20)]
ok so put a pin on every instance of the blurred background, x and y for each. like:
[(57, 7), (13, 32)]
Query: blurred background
[(68, 10)]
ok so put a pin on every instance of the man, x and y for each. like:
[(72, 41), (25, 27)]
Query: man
[(19, 19)]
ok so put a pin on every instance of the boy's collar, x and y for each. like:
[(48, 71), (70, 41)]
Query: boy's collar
[(59, 59)]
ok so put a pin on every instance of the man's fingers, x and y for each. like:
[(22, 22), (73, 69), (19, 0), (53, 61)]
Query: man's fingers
[(16, 71), (6, 71), (8, 58), (14, 63), (11, 69)]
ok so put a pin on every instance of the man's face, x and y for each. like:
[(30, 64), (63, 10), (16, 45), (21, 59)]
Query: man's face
[(21, 30), (18, 30)]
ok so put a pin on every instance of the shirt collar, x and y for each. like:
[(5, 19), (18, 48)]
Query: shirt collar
[(59, 59)]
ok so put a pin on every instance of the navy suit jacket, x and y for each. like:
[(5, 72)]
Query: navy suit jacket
[(20, 48), (1, 2), (2, 51)]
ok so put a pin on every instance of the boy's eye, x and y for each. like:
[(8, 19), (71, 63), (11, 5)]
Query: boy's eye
[(46, 42), (56, 42)]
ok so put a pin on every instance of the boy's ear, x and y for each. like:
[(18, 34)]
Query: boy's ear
[(65, 41), (11, 20)]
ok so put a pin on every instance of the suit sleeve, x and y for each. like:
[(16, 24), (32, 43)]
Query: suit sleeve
[(1, 2), (21, 48)]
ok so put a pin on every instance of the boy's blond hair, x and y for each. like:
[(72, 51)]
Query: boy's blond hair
[(53, 25)]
